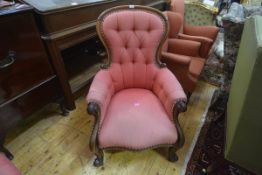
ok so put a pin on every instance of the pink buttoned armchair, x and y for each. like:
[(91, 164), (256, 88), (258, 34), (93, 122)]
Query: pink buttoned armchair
[(134, 98)]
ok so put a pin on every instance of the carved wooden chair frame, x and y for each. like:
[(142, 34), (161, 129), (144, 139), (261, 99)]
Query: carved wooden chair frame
[(93, 108)]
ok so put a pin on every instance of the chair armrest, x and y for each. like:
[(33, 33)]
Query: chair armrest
[(169, 91), (206, 43), (204, 31), (100, 93), (168, 57), (184, 47), (98, 98)]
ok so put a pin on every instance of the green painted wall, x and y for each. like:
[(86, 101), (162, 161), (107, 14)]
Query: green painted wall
[(244, 112)]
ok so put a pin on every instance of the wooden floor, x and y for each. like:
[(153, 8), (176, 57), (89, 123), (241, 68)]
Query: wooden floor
[(58, 145)]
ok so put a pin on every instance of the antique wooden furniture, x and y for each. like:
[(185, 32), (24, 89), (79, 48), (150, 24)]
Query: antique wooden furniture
[(64, 25), (27, 80), (135, 99)]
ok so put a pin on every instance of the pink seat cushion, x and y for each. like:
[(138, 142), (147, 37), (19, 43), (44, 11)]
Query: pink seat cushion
[(6, 166), (142, 121)]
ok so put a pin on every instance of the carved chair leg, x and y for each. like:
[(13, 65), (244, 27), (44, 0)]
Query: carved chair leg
[(99, 160), (64, 110), (172, 156)]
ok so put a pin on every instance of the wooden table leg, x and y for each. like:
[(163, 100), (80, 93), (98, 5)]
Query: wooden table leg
[(59, 67)]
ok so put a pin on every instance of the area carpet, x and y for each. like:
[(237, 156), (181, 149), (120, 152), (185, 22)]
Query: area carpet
[(208, 154)]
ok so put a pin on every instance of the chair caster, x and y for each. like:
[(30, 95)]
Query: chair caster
[(172, 156), (98, 162)]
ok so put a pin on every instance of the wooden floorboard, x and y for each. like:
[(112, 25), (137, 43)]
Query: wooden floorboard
[(58, 145)]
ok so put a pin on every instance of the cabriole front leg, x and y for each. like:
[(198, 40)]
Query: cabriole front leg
[(94, 109), (99, 160), (180, 106)]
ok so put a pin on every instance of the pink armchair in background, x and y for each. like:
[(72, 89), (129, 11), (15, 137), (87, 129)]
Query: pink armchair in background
[(206, 35), (135, 99), (182, 56)]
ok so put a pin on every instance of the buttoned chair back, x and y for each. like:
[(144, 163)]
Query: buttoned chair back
[(134, 98), (133, 41)]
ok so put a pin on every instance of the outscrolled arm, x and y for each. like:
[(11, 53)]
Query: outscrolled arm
[(93, 109), (100, 93), (98, 98), (169, 91), (181, 105)]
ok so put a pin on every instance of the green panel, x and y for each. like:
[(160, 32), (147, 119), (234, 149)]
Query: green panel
[(244, 113)]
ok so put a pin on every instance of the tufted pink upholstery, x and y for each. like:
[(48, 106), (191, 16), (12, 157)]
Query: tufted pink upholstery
[(136, 129), (136, 97), (6, 167)]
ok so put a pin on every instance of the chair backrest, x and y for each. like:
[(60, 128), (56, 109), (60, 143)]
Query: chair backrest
[(133, 36), (175, 21), (178, 6)]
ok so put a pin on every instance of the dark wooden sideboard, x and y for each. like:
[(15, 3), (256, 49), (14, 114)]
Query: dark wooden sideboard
[(27, 79), (67, 27)]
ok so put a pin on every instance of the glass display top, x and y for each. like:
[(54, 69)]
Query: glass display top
[(48, 5)]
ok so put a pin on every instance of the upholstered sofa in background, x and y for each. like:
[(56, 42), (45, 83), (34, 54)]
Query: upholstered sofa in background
[(181, 56)]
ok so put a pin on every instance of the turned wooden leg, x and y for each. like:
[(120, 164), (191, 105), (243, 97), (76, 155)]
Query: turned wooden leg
[(64, 110), (172, 156), (99, 160)]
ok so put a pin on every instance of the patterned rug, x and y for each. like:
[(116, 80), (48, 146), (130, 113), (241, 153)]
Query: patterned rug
[(213, 69), (208, 154)]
